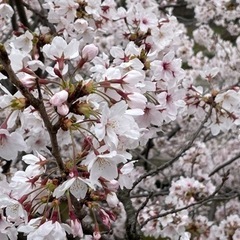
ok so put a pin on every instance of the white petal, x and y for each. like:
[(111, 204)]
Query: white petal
[(135, 112), (78, 189), (71, 51), (60, 190), (105, 169)]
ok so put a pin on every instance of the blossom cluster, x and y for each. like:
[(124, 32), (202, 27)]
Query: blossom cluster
[(96, 82)]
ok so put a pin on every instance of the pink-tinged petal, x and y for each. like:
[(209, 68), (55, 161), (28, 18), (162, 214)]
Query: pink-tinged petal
[(6, 10), (135, 112), (99, 131), (118, 109), (11, 144), (63, 109), (89, 52), (112, 199), (133, 77), (59, 43), (76, 227), (80, 25), (35, 64), (55, 49), (112, 136), (51, 51), (89, 161), (30, 159), (59, 98), (108, 155), (127, 168), (176, 64)]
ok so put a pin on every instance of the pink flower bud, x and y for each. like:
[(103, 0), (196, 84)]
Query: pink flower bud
[(105, 218), (112, 185), (63, 109), (76, 226), (89, 52), (112, 199), (59, 98)]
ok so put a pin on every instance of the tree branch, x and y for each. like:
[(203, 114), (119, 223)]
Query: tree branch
[(170, 162), (14, 18), (36, 103), (22, 13), (203, 201), (224, 164), (41, 17), (133, 231), (141, 208)]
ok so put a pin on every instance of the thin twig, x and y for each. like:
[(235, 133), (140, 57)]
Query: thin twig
[(203, 201), (41, 17), (141, 208), (170, 162), (156, 194), (224, 164)]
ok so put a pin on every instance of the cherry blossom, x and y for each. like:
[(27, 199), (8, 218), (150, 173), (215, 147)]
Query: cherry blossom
[(14, 210), (168, 69), (77, 186), (24, 42), (115, 122), (6, 11), (11, 144), (47, 230), (59, 100), (89, 52), (103, 165), (59, 49), (119, 119)]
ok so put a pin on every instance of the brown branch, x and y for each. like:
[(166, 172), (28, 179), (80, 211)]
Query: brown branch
[(133, 231), (173, 132), (173, 6), (224, 164), (36, 103), (14, 18), (141, 208), (144, 195), (170, 162), (201, 202), (22, 13), (41, 17)]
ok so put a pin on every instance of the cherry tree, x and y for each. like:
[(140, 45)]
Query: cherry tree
[(119, 119)]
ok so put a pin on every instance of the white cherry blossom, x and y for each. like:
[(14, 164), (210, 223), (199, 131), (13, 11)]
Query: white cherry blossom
[(11, 144), (103, 165), (59, 49), (46, 231), (114, 123), (77, 186)]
